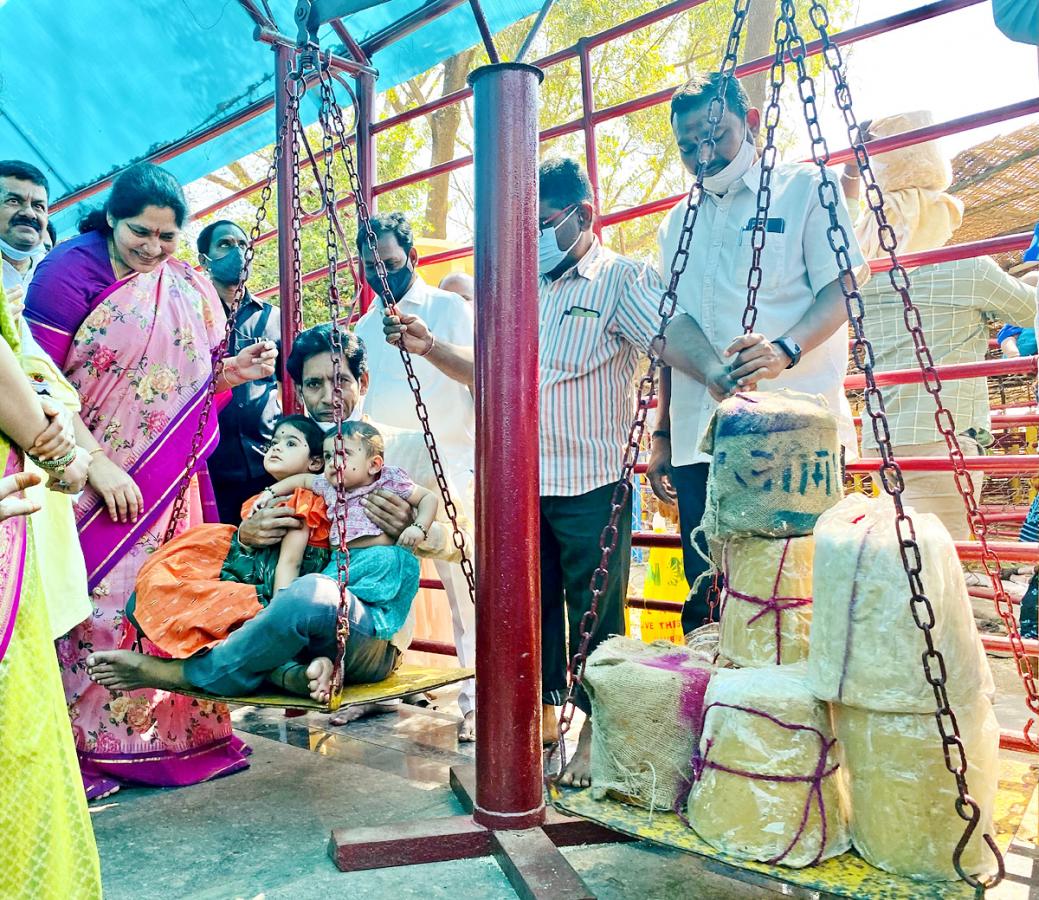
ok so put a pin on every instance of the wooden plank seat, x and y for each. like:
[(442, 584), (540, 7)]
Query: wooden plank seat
[(848, 875), (406, 680)]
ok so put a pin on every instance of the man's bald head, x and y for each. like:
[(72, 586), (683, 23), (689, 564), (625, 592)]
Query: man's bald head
[(459, 283)]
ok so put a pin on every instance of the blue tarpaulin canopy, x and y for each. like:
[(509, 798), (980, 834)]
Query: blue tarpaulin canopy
[(90, 86)]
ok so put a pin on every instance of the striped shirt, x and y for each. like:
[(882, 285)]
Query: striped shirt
[(595, 321), (956, 301)]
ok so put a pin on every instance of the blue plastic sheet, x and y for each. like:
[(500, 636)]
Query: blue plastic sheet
[(90, 86)]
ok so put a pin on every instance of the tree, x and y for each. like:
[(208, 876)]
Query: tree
[(636, 154)]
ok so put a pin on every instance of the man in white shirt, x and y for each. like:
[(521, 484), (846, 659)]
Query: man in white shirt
[(449, 401), (800, 302), (23, 224)]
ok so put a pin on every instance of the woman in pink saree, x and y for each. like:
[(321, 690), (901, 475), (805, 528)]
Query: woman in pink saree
[(135, 330)]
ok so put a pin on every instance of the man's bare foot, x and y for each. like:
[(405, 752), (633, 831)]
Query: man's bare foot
[(578, 772), (467, 728), (124, 670), (361, 711), (549, 725)]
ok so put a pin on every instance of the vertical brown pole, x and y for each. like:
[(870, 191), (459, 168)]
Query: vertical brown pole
[(289, 269), (509, 791), (366, 166)]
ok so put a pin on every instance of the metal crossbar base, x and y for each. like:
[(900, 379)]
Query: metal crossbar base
[(530, 858)]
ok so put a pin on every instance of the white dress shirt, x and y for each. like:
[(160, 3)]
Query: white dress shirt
[(796, 264), (389, 400)]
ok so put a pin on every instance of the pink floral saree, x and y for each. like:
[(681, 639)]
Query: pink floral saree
[(139, 351)]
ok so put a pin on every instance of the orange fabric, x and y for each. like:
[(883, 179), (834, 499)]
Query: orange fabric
[(309, 507), (182, 605)]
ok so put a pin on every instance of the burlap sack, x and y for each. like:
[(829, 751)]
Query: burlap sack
[(776, 465), (646, 705), (865, 648), (766, 606), (767, 785)]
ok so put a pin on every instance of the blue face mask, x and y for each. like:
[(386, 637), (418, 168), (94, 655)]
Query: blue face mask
[(549, 254)]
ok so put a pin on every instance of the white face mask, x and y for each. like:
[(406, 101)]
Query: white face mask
[(13, 253), (549, 254), (721, 181)]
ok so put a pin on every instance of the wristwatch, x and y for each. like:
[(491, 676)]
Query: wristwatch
[(791, 348)]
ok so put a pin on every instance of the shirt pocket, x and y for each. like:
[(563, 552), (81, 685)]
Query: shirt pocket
[(773, 257), (573, 340)]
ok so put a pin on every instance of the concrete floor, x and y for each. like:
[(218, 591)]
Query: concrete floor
[(263, 832)]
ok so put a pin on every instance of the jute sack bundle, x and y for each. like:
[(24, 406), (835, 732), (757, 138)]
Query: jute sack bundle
[(865, 648), (903, 798), (766, 606), (767, 785), (647, 701), (775, 467)]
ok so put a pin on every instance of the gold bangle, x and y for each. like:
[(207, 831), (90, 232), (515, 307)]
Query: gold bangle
[(97, 450)]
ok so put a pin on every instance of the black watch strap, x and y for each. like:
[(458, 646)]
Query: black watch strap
[(791, 348)]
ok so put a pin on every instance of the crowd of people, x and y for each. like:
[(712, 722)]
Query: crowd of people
[(107, 358)]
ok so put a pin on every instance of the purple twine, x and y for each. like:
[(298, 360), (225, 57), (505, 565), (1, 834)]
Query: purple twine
[(774, 604), (699, 763)]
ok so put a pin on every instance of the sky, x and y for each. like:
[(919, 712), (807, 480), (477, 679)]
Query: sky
[(953, 65)]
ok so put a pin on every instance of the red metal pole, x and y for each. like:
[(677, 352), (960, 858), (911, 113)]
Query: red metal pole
[(508, 606), (591, 154), (366, 166), (289, 269)]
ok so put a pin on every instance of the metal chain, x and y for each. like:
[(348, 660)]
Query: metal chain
[(777, 75), (177, 512), (336, 336), (890, 472), (364, 220), (932, 382), (647, 384)]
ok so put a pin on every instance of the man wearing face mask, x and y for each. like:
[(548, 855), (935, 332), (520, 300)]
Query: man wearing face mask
[(23, 224), (447, 397), (803, 343), (247, 422)]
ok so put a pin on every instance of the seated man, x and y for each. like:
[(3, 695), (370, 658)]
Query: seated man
[(300, 622)]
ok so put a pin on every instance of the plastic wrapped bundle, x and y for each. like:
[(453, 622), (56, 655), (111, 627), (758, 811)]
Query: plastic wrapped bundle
[(768, 786), (903, 813), (767, 601), (865, 646), (647, 701), (775, 467)]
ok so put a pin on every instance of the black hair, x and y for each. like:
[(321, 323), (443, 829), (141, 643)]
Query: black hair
[(139, 186), (311, 431), (51, 233), (562, 181), (369, 436), (701, 88), (319, 340), (23, 171), (390, 223), (205, 236)]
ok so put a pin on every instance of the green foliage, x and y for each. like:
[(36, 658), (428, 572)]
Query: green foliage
[(637, 160)]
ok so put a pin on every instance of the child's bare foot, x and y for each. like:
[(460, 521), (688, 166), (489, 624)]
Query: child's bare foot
[(124, 670), (549, 725), (578, 772), (467, 728), (319, 678)]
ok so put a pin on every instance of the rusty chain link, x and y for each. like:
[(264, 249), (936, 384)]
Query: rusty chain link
[(177, 513), (890, 472), (647, 384), (932, 382), (327, 186), (364, 221), (777, 76)]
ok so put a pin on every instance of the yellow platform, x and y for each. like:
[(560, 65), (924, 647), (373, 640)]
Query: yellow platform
[(406, 680), (845, 876)]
